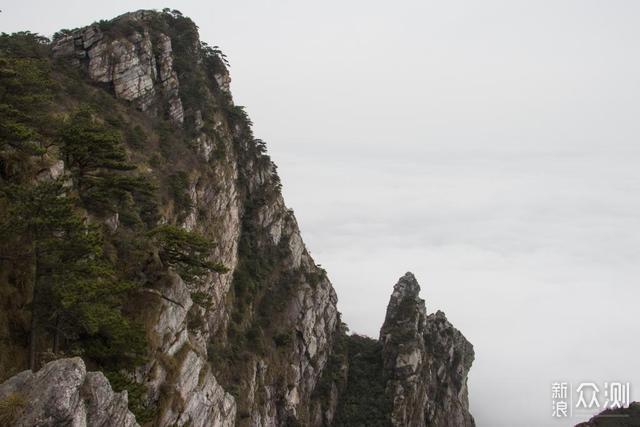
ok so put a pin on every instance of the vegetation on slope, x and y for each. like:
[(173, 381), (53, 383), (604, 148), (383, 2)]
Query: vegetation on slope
[(363, 402), (78, 243), (92, 235)]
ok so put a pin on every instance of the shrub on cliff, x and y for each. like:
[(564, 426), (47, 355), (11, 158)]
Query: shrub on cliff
[(184, 251), (11, 408)]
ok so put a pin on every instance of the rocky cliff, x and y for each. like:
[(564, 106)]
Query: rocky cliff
[(258, 342), (138, 66)]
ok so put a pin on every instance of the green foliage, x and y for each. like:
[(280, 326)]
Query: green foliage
[(203, 299), (116, 28), (184, 43), (255, 339), (91, 302), (363, 402), (136, 137), (195, 63), (195, 322), (172, 143), (137, 394), (255, 264), (238, 115), (213, 52), (11, 408), (84, 278), (186, 252), (89, 148), (179, 189), (61, 34), (24, 44), (96, 157), (25, 96), (105, 24), (132, 252), (144, 196), (219, 355), (132, 196), (77, 295), (282, 339)]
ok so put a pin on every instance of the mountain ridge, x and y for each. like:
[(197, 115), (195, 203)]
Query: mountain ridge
[(240, 326)]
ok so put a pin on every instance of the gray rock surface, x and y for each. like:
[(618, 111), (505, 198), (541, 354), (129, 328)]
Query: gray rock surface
[(63, 393), (140, 70), (426, 362)]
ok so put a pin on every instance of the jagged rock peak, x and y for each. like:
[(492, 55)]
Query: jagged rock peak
[(426, 362), (405, 305), (407, 286), (64, 393)]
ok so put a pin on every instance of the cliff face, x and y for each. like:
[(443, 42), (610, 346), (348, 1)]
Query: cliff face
[(262, 342), (139, 66), (237, 202)]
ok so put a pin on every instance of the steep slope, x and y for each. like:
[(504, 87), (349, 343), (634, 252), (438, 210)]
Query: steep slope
[(274, 289), (245, 344), (239, 325)]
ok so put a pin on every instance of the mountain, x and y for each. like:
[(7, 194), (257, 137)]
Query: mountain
[(151, 271)]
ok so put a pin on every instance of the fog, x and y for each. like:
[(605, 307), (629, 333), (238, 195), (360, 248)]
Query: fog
[(489, 147)]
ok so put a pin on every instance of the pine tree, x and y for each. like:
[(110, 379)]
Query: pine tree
[(186, 252), (91, 150), (76, 293), (96, 157), (25, 97)]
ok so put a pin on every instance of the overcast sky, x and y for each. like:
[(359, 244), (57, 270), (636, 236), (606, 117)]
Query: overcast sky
[(491, 147)]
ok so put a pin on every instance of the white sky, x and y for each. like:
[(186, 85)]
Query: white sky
[(491, 147)]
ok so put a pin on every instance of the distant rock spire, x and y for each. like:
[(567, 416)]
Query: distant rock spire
[(426, 362)]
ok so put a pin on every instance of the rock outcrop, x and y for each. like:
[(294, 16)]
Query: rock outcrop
[(426, 362), (64, 393), (137, 63), (619, 417)]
